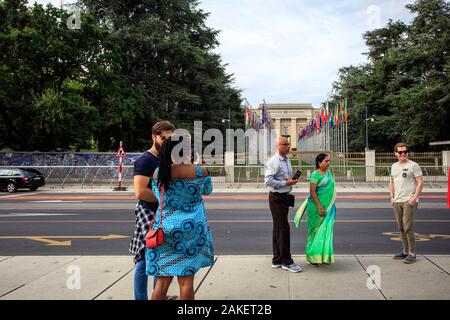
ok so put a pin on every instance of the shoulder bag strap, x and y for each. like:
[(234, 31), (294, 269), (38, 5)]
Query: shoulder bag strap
[(198, 171)]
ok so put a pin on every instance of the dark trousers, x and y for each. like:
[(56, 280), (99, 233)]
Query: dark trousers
[(281, 238)]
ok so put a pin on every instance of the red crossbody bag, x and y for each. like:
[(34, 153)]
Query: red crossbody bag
[(154, 238)]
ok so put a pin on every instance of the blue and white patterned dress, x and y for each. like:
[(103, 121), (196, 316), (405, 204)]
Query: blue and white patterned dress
[(188, 244)]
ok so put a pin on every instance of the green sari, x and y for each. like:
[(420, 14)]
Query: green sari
[(319, 248)]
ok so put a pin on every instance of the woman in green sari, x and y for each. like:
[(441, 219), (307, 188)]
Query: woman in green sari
[(321, 213)]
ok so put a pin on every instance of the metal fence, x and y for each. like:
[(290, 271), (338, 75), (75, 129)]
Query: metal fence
[(82, 176), (422, 158), (433, 176), (349, 175), (238, 176)]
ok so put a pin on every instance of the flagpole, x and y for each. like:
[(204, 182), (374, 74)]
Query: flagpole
[(245, 138), (346, 130), (334, 131), (328, 127), (340, 137), (340, 140), (343, 140)]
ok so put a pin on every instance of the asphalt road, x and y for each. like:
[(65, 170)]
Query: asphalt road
[(102, 224)]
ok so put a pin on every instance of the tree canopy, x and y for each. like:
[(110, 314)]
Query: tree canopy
[(130, 64), (406, 83)]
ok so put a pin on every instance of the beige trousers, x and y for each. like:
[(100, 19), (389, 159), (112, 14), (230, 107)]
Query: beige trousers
[(405, 215)]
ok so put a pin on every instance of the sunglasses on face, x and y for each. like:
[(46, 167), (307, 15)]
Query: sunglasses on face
[(402, 152)]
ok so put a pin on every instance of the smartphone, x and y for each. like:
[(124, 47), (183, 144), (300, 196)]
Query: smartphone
[(297, 175)]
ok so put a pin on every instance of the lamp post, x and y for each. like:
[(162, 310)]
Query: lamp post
[(228, 120), (229, 126), (367, 129)]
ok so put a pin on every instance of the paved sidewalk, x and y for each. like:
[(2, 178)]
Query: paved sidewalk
[(231, 277)]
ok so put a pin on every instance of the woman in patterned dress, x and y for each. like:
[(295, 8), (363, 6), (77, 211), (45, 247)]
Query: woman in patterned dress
[(188, 244)]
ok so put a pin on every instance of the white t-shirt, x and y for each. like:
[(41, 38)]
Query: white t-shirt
[(404, 176)]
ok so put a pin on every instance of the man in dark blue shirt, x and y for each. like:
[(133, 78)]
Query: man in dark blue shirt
[(144, 167)]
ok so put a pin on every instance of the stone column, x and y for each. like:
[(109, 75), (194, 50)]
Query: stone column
[(445, 167), (446, 160), (370, 165), (229, 166), (292, 132)]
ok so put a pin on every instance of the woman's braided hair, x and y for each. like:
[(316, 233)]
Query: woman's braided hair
[(165, 163)]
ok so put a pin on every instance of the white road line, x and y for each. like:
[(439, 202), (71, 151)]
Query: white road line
[(58, 201), (19, 195), (35, 214)]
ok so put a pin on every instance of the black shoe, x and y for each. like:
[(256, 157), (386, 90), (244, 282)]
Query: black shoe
[(400, 256)]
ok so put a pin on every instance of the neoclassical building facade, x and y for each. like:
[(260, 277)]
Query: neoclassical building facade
[(289, 118)]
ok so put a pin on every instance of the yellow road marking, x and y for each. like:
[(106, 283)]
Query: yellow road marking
[(50, 242), (46, 239), (395, 236)]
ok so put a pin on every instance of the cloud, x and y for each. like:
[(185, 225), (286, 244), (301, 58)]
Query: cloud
[(291, 51)]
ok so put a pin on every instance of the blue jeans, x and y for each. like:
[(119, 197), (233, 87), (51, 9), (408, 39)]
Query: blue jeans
[(140, 281)]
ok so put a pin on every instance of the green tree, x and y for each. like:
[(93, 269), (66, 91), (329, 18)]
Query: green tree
[(131, 63), (66, 119), (405, 85), (39, 54), (163, 55)]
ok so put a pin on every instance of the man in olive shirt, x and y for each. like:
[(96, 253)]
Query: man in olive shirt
[(405, 186)]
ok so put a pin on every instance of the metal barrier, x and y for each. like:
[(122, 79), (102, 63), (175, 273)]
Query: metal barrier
[(251, 176), (434, 177), (81, 176), (427, 159)]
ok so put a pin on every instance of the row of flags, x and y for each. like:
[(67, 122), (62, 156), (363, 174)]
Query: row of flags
[(252, 120), (327, 117)]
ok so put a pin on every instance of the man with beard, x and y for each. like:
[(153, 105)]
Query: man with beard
[(147, 205)]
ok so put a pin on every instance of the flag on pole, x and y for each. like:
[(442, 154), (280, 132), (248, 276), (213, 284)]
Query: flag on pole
[(247, 115), (345, 110), (327, 113)]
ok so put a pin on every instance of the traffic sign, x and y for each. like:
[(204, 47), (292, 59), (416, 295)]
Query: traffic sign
[(120, 153)]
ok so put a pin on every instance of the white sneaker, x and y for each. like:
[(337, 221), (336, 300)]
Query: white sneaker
[(292, 267), (276, 265)]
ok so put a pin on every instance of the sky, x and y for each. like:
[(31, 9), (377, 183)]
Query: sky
[(290, 51)]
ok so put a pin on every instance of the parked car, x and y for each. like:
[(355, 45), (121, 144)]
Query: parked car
[(16, 178)]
